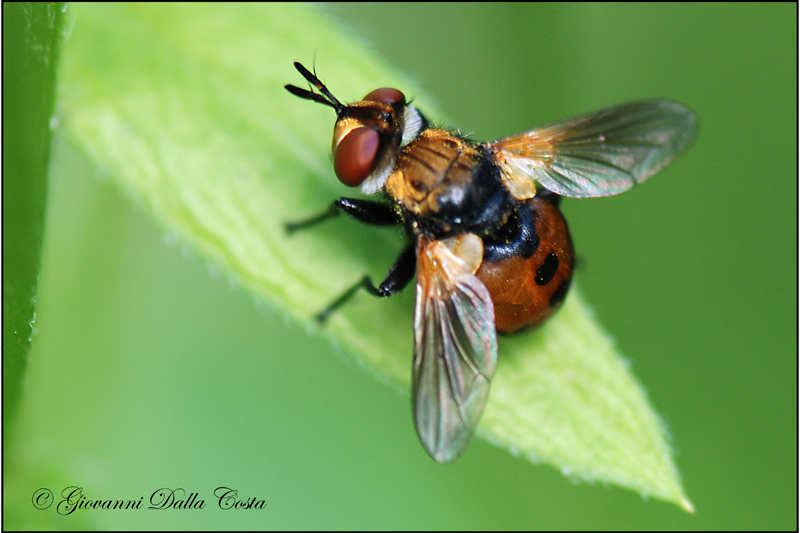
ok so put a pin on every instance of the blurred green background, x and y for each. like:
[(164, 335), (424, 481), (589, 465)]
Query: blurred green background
[(148, 370)]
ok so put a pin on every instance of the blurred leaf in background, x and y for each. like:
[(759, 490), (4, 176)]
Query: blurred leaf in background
[(31, 34)]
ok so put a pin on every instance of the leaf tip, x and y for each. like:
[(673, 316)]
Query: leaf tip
[(687, 505)]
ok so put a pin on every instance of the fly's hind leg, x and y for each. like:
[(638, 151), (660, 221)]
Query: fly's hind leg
[(399, 276)]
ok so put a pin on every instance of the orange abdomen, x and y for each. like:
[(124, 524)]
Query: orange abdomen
[(526, 291)]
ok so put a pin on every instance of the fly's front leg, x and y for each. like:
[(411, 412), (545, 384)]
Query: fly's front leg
[(399, 276), (331, 212), (367, 211)]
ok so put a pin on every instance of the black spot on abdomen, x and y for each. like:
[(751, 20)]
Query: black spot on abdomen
[(545, 273)]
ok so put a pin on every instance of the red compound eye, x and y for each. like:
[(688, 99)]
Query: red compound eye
[(355, 156), (386, 95)]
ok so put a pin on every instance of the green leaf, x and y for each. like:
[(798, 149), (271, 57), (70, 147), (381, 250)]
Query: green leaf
[(184, 106), (30, 39)]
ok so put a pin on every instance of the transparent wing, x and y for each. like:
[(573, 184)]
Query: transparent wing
[(600, 154), (455, 354)]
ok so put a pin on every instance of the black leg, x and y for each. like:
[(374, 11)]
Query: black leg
[(332, 211), (375, 213), (399, 275)]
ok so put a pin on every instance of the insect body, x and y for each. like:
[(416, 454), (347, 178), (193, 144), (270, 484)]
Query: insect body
[(490, 250)]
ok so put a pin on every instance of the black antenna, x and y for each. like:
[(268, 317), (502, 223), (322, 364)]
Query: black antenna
[(326, 98)]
